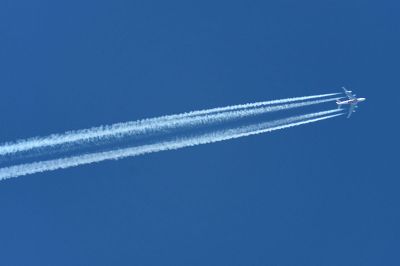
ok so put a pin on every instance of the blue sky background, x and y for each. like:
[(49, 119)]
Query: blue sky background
[(321, 194)]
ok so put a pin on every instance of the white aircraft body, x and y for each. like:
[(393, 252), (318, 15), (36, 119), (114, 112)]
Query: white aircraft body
[(351, 100)]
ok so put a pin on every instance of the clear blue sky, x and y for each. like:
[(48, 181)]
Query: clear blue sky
[(321, 194)]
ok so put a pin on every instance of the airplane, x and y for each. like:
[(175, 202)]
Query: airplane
[(352, 101)]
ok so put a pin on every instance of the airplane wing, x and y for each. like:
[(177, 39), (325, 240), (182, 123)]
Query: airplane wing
[(348, 93), (351, 109)]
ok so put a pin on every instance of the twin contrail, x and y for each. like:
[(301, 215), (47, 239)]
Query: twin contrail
[(148, 126), (222, 135), (107, 134)]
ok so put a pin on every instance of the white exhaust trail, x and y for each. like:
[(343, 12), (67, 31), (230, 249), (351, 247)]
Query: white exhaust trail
[(253, 105), (147, 126), (50, 165)]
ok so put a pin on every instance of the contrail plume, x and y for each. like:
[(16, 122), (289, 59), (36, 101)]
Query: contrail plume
[(147, 126), (221, 135), (253, 105)]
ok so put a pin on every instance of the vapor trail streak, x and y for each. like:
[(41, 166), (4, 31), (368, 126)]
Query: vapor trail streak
[(191, 119), (253, 105), (50, 165)]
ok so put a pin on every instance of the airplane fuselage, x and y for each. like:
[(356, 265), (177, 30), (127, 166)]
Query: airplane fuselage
[(350, 101)]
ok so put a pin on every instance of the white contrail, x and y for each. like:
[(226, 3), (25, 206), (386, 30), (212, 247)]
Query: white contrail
[(253, 105), (147, 126), (50, 165)]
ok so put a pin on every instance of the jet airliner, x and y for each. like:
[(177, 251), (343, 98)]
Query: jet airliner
[(351, 100)]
